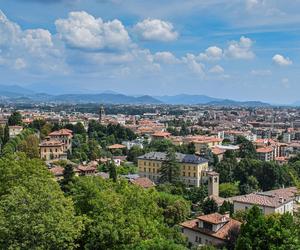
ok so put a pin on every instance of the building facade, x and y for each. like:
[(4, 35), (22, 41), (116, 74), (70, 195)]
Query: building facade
[(52, 150), (211, 229), (191, 167)]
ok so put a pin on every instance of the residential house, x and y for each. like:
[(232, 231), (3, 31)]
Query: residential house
[(274, 201), (211, 229)]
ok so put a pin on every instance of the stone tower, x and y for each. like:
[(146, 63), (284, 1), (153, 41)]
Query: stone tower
[(101, 114), (213, 183)]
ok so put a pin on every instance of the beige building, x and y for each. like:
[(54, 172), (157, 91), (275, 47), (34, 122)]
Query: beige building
[(14, 131), (274, 201), (211, 229), (192, 167), (51, 150), (64, 136)]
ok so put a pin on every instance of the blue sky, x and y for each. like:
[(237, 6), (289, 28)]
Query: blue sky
[(239, 49)]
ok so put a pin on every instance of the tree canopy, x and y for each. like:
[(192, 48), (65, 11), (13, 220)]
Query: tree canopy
[(34, 214)]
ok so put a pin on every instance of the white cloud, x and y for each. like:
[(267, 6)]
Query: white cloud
[(165, 57), (251, 4), (193, 65), (82, 30), (155, 30), (281, 60), (240, 49), (217, 69), (211, 53), (261, 72), (33, 48)]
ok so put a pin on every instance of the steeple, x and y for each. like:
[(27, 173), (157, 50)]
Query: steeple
[(101, 114)]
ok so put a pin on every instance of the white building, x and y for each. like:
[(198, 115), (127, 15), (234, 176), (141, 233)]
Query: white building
[(274, 201), (211, 229)]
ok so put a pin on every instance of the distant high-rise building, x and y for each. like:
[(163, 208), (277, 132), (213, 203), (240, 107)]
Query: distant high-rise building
[(101, 114)]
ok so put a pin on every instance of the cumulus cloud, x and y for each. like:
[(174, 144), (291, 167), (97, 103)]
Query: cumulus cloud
[(165, 57), (281, 60), (155, 30), (32, 48), (217, 69), (211, 53), (193, 65), (82, 30), (240, 49)]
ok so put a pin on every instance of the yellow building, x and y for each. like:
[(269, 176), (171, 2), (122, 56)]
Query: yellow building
[(192, 167)]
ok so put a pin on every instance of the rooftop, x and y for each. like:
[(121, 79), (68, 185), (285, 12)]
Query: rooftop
[(273, 198), (182, 158), (222, 233)]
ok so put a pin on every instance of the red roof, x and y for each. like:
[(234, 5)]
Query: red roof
[(264, 150), (116, 146), (61, 132), (161, 134), (143, 182), (221, 234)]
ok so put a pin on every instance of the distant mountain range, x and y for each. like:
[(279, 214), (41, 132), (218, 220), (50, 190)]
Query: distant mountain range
[(20, 94)]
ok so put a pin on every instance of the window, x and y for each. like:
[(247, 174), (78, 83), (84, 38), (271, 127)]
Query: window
[(196, 240), (144, 163), (189, 174), (183, 173), (207, 225), (194, 174)]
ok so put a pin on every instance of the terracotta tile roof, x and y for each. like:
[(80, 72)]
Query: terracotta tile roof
[(143, 182), (116, 146), (264, 150), (57, 171), (86, 168), (214, 218), (161, 134), (61, 132), (218, 151), (273, 198), (220, 234), (219, 200)]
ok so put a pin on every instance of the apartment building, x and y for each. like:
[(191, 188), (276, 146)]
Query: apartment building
[(192, 167), (265, 153)]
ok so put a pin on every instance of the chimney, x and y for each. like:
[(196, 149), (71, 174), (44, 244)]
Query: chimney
[(227, 214)]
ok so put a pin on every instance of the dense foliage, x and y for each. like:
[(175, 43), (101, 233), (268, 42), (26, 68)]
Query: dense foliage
[(34, 214), (275, 231)]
